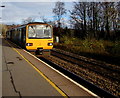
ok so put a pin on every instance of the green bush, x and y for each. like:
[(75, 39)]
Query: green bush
[(92, 46)]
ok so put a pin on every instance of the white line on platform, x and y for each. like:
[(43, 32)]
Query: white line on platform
[(63, 75)]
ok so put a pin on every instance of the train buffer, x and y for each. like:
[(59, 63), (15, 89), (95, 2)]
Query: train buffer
[(24, 75)]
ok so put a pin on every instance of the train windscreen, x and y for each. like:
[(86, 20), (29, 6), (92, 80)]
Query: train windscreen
[(39, 31)]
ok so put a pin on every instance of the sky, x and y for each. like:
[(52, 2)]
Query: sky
[(16, 12)]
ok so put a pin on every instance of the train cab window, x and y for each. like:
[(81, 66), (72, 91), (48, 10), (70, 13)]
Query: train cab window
[(39, 31)]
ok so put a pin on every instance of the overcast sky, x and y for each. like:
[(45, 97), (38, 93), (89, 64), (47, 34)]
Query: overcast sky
[(15, 12)]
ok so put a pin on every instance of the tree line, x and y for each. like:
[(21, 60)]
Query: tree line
[(100, 20)]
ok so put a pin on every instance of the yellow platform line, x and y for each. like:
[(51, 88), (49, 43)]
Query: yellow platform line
[(45, 77)]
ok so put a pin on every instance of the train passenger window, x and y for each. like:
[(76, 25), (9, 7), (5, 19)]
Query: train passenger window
[(39, 31), (31, 31), (47, 32)]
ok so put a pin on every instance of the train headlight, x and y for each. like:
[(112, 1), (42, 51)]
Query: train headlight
[(29, 44), (50, 44)]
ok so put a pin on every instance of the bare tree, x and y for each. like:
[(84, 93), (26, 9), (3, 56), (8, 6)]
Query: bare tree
[(91, 17), (27, 20), (95, 18), (109, 17), (116, 21), (79, 15), (118, 16), (93, 10), (59, 11), (44, 19)]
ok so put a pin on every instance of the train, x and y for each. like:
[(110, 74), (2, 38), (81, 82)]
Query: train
[(35, 37)]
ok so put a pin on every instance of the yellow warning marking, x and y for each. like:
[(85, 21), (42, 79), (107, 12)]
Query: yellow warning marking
[(45, 77)]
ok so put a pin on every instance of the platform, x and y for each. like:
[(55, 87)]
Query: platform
[(20, 79), (24, 75)]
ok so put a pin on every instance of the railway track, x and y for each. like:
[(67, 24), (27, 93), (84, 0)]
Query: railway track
[(105, 70), (95, 72), (88, 60)]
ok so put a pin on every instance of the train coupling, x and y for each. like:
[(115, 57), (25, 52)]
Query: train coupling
[(39, 51)]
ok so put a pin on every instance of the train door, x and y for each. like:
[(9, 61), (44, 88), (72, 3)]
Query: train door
[(23, 37), (11, 35), (19, 36)]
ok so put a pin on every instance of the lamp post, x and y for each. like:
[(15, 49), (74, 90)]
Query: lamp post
[(1, 18), (2, 6)]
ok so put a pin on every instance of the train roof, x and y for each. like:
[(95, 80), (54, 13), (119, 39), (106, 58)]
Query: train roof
[(33, 23), (36, 23), (27, 24)]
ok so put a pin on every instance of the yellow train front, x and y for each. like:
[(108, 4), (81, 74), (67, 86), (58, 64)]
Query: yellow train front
[(35, 37)]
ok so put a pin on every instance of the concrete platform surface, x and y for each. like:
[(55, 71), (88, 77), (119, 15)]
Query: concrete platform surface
[(20, 78)]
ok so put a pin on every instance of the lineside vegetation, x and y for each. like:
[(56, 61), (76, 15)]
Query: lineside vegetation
[(105, 50)]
